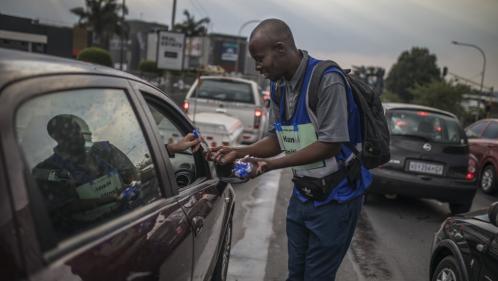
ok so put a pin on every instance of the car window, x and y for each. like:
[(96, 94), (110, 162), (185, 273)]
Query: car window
[(476, 129), (428, 125), (183, 162), (225, 90), (87, 156), (491, 131)]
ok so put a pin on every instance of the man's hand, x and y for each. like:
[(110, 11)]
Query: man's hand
[(222, 155), (189, 141), (260, 165)]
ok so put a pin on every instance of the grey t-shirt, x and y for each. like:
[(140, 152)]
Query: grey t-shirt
[(331, 118)]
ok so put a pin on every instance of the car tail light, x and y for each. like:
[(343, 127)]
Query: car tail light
[(185, 106), (422, 113), (257, 117), (471, 168)]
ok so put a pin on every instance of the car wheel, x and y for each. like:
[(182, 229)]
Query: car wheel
[(488, 179), (458, 208), (447, 270), (221, 269)]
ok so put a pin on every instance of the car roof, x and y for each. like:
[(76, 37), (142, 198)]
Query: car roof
[(234, 79), (19, 65), (395, 105)]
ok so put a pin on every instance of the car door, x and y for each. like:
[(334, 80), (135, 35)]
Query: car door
[(477, 144), (102, 211), (206, 200), (489, 143), (489, 269)]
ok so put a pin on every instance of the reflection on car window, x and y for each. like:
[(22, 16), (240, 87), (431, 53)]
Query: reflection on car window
[(183, 162), (428, 125), (87, 155), (225, 90), (475, 130), (491, 131)]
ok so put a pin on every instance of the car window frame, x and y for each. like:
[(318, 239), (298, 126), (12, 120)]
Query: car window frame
[(32, 87), (150, 94)]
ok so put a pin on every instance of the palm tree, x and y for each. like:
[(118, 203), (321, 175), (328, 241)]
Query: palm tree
[(102, 17), (191, 27)]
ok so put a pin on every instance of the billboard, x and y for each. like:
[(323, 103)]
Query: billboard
[(230, 51), (170, 50)]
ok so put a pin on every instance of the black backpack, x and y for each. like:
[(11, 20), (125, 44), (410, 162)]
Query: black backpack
[(375, 133)]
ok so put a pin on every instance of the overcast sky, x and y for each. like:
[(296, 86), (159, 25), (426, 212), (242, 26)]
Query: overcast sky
[(352, 32)]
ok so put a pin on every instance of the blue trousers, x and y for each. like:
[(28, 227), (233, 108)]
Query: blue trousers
[(319, 237)]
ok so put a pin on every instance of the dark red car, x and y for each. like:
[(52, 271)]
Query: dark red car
[(483, 140), (88, 190)]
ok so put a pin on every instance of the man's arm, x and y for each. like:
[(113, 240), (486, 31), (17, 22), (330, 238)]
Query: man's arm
[(314, 152), (266, 147)]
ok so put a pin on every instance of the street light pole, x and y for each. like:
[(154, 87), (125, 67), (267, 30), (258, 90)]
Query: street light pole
[(121, 54), (483, 64), (238, 45)]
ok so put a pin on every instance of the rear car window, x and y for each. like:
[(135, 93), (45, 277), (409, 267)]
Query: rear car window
[(224, 90), (430, 126)]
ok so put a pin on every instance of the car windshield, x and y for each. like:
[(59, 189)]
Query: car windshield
[(225, 90), (430, 126)]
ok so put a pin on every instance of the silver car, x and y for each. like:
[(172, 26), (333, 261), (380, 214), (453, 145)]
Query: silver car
[(236, 97)]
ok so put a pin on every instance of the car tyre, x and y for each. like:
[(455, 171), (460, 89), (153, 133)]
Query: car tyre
[(458, 208), (487, 181), (447, 270), (221, 269)]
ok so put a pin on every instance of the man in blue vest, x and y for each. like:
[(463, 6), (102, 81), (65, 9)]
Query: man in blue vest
[(327, 197)]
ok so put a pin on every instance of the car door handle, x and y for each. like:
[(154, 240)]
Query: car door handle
[(198, 224), (221, 110)]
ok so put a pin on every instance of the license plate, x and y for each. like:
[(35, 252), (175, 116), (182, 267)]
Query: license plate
[(426, 168)]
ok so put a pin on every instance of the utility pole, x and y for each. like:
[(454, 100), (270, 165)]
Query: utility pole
[(236, 68), (483, 64), (121, 55), (173, 13)]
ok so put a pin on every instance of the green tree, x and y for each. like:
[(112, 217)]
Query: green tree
[(103, 18), (149, 67), (388, 96), (413, 67), (442, 95), (191, 27), (372, 75), (96, 55)]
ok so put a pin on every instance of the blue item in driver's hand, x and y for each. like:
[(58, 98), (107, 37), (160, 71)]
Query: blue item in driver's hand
[(242, 169), (196, 133), (130, 193)]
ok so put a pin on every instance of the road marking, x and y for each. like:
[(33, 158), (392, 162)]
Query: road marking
[(249, 255)]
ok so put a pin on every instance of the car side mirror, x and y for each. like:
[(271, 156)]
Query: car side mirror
[(493, 213)]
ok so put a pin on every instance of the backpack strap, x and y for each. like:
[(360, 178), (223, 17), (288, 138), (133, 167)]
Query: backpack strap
[(316, 78)]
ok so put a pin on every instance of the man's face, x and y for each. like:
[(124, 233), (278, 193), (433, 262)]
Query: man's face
[(266, 57)]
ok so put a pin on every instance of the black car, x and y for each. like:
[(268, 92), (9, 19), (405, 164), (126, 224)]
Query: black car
[(88, 190), (429, 157), (466, 247)]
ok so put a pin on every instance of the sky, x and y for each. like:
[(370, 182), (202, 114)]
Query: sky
[(351, 32)]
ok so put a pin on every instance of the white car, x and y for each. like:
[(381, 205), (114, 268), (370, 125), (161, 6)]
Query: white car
[(236, 97), (218, 129)]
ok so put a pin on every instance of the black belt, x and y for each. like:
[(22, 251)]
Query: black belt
[(319, 189)]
